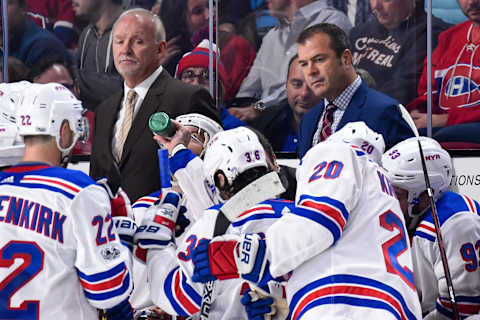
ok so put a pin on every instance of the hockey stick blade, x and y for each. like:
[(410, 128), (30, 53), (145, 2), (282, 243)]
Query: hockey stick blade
[(408, 119), (266, 187)]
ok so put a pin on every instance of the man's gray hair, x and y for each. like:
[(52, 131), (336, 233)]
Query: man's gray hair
[(159, 28)]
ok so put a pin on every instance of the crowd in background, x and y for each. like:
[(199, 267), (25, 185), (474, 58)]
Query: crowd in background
[(259, 80)]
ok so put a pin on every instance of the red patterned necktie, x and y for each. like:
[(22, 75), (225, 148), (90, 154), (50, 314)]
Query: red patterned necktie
[(327, 121)]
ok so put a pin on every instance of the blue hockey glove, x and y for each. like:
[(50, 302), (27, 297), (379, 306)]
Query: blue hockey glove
[(122, 311), (257, 308)]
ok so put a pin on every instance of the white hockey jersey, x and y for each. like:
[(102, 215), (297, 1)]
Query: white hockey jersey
[(187, 168), (460, 225), (345, 241), (60, 256), (170, 269)]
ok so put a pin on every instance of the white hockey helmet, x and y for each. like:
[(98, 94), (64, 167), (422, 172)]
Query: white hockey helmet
[(200, 121), (404, 168), (360, 135), (11, 144), (232, 152), (44, 109)]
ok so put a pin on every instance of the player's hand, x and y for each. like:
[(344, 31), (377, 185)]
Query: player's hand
[(182, 136), (257, 307), (158, 225), (267, 302), (122, 214)]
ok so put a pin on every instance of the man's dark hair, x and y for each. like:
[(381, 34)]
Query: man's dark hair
[(290, 64), (117, 2), (338, 38), (46, 63)]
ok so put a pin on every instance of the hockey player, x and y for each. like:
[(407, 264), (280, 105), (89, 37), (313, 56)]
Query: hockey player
[(344, 245), (60, 255), (459, 223), (361, 137), (233, 160), (11, 144)]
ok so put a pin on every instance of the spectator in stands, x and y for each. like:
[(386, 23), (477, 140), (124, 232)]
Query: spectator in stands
[(237, 54), (97, 77), (326, 61), (280, 124), (393, 46), (193, 69), (17, 70), (264, 80), (28, 42), (55, 69), (122, 136), (358, 11), (455, 81), (56, 16), (181, 19)]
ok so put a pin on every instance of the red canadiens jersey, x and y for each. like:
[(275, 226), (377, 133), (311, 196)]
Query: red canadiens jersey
[(52, 13), (456, 77)]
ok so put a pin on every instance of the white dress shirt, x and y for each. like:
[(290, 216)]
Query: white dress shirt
[(141, 89)]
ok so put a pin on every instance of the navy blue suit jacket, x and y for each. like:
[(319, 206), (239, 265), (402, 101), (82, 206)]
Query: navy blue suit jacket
[(377, 110)]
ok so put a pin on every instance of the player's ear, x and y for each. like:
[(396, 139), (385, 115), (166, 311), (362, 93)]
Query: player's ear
[(220, 180), (66, 134)]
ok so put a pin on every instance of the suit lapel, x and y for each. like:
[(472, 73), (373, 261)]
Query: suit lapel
[(149, 106), (110, 117), (352, 113), (315, 121)]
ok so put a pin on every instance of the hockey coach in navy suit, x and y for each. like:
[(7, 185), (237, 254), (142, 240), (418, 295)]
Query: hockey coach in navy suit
[(326, 60)]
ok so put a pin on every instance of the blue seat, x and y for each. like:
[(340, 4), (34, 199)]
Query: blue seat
[(447, 10)]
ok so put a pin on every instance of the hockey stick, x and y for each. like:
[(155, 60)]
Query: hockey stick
[(265, 187), (441, 246)]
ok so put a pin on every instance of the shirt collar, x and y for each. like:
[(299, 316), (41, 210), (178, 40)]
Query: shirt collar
[(343, 100), (142, 88)]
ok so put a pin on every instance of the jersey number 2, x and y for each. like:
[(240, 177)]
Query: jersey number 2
[(32, 264), (394, 247)]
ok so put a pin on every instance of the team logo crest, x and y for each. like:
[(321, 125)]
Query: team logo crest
[(460, 91), (110, 253)]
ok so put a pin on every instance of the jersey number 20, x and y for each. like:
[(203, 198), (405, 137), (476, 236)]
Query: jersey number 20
[(32, 264)]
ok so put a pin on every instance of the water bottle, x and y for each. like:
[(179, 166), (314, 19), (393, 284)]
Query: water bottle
[(160, 124)]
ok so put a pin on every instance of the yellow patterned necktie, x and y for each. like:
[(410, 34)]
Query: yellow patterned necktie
[(127, 122)]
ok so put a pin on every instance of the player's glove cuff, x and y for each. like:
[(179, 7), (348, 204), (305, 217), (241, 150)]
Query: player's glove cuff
[(251, 258), (158, 225), (126, 229)]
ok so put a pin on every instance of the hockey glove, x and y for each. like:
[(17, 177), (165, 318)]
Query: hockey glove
[(122, 213), (267, 302), (228, 256), (202, 269), (158, 224), (122, 311)]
